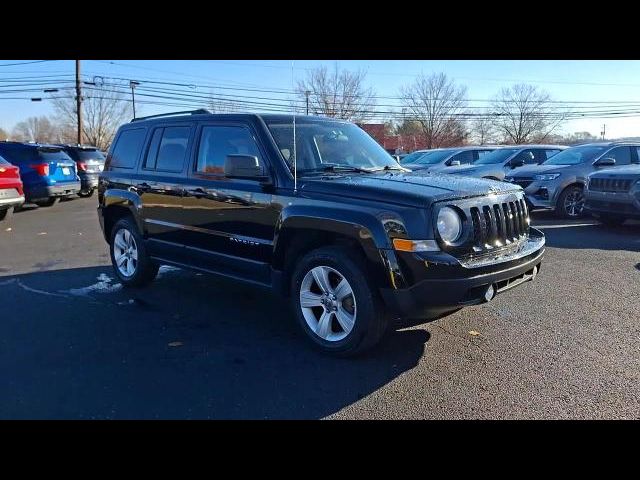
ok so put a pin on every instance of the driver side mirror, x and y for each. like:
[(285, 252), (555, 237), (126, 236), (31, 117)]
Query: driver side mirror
[(606, 162), (244, 166), (454, 163)]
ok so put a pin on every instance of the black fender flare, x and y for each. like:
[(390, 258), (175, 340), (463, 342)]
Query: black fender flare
[(120, 198)]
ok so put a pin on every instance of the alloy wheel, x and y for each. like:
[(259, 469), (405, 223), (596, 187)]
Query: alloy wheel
[(125, 252), (328, 303)]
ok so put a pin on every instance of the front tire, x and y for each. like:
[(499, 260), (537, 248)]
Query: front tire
[(129, 256), (336, 307), (571, 202)]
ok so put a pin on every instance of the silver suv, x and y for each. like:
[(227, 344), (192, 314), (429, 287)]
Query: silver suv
[(559, 182), (441, 159), (613, 195), (502, 161)]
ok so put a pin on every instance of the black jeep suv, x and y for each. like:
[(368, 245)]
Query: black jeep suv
[(315, 209)]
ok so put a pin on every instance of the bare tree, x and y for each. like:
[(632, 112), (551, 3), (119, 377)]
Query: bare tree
[(4, 135), (525, 113), (337, 93), (483, 129), (435, 102), (34, 129), (104, 110)]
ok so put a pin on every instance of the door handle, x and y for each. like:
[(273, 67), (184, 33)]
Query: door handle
[(197, 192)]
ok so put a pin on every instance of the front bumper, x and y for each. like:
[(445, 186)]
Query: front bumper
[(541, 194), (457, 285), (623, 204), (42, 192)]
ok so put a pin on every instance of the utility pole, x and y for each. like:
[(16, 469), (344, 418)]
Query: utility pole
[(604, 130), (79, 101), (307, 93), (133, 84)]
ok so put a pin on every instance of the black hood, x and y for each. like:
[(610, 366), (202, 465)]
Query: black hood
[(406, 188)]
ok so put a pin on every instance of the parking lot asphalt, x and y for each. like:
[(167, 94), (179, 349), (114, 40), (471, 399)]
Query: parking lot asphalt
[(74, 344)]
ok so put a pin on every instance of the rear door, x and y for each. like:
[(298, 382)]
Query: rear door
[(161, 186)]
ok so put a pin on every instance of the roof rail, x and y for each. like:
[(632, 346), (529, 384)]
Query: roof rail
[(200, 111)]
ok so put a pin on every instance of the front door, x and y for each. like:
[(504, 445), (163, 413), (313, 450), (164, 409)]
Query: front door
[(229, 222)]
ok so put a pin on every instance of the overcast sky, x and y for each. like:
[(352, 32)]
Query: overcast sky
[(571, 81)]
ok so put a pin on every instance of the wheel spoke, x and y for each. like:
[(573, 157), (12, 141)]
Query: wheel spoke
[(345, 319), (324, 325), (310, 299), (120, 260), (130, 268), (120, 243), (134, 253), (343, 290), (321, 276)]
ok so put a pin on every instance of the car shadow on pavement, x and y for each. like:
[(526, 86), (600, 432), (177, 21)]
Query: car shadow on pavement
[(78, 345)]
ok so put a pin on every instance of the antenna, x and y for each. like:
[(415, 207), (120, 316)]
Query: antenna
[(295, 153)]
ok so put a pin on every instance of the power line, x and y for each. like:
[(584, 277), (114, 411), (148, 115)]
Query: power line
[(24, 63)]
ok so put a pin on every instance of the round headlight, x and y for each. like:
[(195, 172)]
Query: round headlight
[(449, 224)]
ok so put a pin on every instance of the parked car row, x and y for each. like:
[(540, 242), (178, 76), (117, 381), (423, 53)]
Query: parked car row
[(553, 177), (43, 173)]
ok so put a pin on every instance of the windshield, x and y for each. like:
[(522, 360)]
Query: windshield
[(47, 154), (575, 155), (497, 156), (433, 157), (322, 145), (412, 157)]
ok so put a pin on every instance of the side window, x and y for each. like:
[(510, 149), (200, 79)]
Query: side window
[(528, 156), (216, 142), (464, 157), (637, 157), (539, 155), (128, 147), (168, 149), (482, 153), (622, 155)]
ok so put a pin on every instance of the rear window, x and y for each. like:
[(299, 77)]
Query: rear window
[(52, 155), (128, 147), (86, 154)]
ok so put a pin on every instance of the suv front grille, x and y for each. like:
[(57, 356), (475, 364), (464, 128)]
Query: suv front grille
[(498, 224), (610, 185), (491, 225)]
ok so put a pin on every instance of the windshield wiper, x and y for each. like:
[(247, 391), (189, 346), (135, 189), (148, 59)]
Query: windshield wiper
[(388, 167)]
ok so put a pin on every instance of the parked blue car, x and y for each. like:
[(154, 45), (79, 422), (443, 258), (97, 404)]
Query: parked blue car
[(47, 172)]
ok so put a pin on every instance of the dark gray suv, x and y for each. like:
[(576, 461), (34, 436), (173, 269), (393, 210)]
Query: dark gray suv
[(559, 182)]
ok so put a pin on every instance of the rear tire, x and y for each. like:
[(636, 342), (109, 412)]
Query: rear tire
[(348, 318), (6, 214), (85, 193), (129, 257), (571, 202), (50, 202)]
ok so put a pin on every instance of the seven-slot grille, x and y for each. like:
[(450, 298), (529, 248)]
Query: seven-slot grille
[(609, 184), (498, 224)]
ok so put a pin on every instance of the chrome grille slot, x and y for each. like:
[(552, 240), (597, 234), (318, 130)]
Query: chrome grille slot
[(491, 224)]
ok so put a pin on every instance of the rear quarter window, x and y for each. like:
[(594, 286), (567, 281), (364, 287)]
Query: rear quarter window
[(127, 148)]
